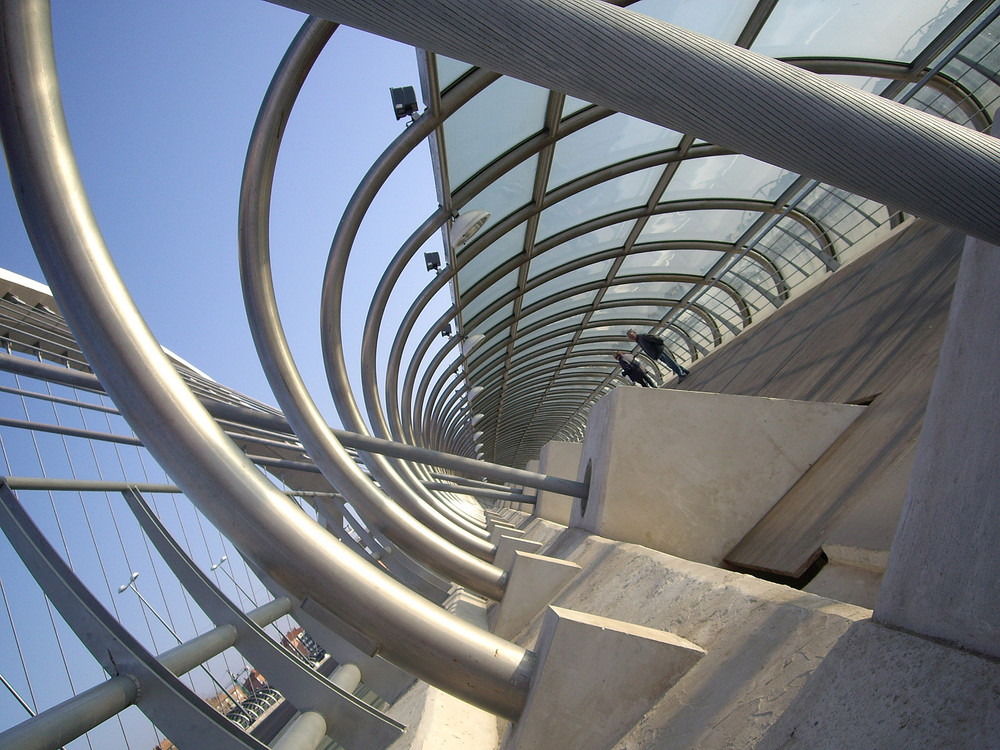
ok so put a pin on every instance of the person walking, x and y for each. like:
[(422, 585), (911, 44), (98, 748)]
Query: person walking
[(634, 371), (654, 348)]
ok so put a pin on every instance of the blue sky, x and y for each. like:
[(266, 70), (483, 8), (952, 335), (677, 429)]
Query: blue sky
[(160, 100)]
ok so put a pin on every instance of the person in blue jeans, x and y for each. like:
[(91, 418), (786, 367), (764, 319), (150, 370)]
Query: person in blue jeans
[(654, 348)]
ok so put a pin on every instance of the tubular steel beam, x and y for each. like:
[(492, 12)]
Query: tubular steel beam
[(277, 423), (461, 489), (422, 542), (264, 524), (721, 93), (443, 521)]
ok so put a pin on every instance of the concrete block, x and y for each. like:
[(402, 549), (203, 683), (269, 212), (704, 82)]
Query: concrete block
[(508, 545), (534, 581), (691, 473), (503, 529), (562, 460), (595, 678), (883, 688)]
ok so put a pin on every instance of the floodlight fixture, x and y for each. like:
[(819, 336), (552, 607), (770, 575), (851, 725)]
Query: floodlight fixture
[(446, 330), (463, 227), (475, 391), (404, 101), (432, 261), (476, 418)]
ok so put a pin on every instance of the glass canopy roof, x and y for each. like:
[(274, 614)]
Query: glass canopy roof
[(600, 222)]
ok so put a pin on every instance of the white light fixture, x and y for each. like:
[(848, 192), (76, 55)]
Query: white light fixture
[(476, 418), (475, 391), (471, 342), (480, 456), (466, 225), (479, 447), (478, 434)]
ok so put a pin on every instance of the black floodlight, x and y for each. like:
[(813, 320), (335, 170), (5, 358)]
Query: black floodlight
[(433, 261), (446, 330), (404, 101)]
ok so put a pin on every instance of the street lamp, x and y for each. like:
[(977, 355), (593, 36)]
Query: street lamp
[(218, 566)]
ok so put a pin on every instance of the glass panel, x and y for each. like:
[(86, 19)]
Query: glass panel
[(614, 330), (889, 29), (585, 275), (497, 290), (687, 262), (480, 368), (722, 19), (491, 258), (972, 69), (565, 306), (486, 377), (475, 134), (590, 346), (665, 290), (532, 349), (794, 251), (593, 242), (505, 195), (628, 191), (572, 104), (500, 315), (731, 176), (714, 224), (577, 301), (614, 139), (642, 312), (450, 70), (559, 327)]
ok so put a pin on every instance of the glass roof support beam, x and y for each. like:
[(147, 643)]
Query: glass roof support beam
[(756, 22), (727, 95), (902, 74), (759, 229), (447, 409), (264, 524), (826, 253), (545, 156), (274, 422), (953, 31), (382, 513), (415, 407)]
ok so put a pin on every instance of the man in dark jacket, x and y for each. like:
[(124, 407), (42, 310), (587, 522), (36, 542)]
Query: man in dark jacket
[(653, 347), (634, 371)]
